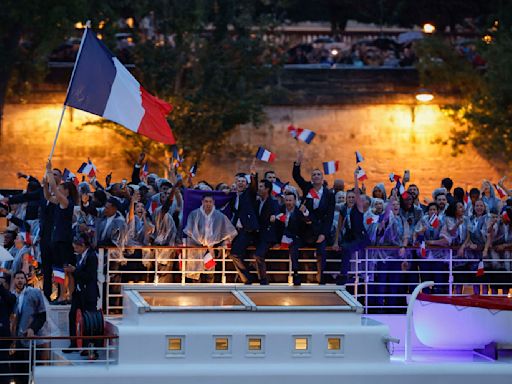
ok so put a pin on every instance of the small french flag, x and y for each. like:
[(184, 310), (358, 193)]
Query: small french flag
[(193, 170), (480, 270), (330, 167), (278, 188), (434, 221), (505, 217), (281, 217), (58, 275), (401, 190), (394, 178), (466, 197), (371, 219), (285, 242), (208, 260), (359, 157), (501, 192), (265, 155), (152, 207), (67, 175), (88, 169), (423, 249), (361, 174), (144, 171), (302, 134)]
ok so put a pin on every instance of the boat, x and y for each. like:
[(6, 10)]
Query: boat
[(462, 322)]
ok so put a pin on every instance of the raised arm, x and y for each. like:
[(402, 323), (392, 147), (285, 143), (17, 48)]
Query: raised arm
[(59, 196), (297, 177), (359, 201)]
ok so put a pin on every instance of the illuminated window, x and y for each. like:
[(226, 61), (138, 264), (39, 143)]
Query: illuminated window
[(175, 346), (254, 344), (301, 345), (221, 344), (333, 343)]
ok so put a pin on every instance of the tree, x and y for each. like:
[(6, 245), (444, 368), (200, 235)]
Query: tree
[(212, 62), (483, 109)]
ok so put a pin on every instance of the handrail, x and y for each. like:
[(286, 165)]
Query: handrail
[(110, 337)]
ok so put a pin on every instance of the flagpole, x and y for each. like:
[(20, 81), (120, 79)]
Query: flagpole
[(87, 26)]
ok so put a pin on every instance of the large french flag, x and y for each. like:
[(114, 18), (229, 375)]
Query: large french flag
[(330, 167), (102, 86)]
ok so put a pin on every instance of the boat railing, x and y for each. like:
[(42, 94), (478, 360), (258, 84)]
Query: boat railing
[(379, 277), (20, 356)]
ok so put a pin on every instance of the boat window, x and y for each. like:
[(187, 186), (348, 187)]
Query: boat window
[(175, 345), (255, 345), (222, 345), (302, 344), (290, 299), (334, 345)]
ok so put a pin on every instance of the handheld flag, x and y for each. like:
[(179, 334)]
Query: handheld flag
[(285, 242), (505, 217), (58, 275), (401, 190), (193, 170), (359, 157), (208, 260), (423, 249), (144, 172), (312, 194), (480, 270), (265, 155), (361, 174), (466, 197), (394, 178), (278, 188), (330, 167), (371, 219), (434, 221), (101, 85), (301, 134), (67, 175), (281, 217), (501, 192), (88, 169)]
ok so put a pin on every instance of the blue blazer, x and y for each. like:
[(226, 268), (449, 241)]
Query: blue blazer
[(247, 212), (268, 231)]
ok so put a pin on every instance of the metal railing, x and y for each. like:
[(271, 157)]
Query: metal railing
[(20, 356), (380, 284)]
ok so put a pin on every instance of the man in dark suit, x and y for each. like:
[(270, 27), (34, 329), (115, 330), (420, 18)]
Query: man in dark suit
[(320, 203), (86, 293), (245, 220), (7, 302), (294, 226)]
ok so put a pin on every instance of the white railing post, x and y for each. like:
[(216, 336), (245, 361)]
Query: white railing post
[(366, 277), (183, 265), (450, 271), (356, 278), (408, 329), (223, 265), (101, 274), (107, 285), (155, 269)]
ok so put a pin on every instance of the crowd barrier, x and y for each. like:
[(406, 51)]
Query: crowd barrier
[(19, 356), (381, 284)]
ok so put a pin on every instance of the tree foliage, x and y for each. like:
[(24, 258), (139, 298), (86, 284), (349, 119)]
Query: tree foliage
[(483, 107)]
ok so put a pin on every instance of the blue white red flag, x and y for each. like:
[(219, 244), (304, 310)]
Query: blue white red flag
[(423, 249), (361, 174), (193, 170), (281, 217), (58, 275), (285, 242), (480, 271), (67, 175), (501, 192), (330, 167), (144, 172), (302, 134), (88, 169), (101, 85), (265, 155), (394, 178), (359, 157), (434, 221), (208, 260), (278, 188), (401, 189)]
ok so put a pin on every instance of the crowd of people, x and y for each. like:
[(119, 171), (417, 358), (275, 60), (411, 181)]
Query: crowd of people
[(57, 224)]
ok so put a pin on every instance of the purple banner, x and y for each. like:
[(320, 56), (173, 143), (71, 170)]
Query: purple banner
[(192, 200)]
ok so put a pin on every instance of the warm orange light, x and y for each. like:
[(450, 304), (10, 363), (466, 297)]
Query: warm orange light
[(429, 28), (100, 36), (424, 97), (79, 25), (101, 24), (130, 22), (487, 39)]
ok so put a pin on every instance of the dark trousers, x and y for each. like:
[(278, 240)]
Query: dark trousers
[(241, 265), (4, 356), (78, 302), (46, 267), (347, 250), (388, 283), (320, 256)]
